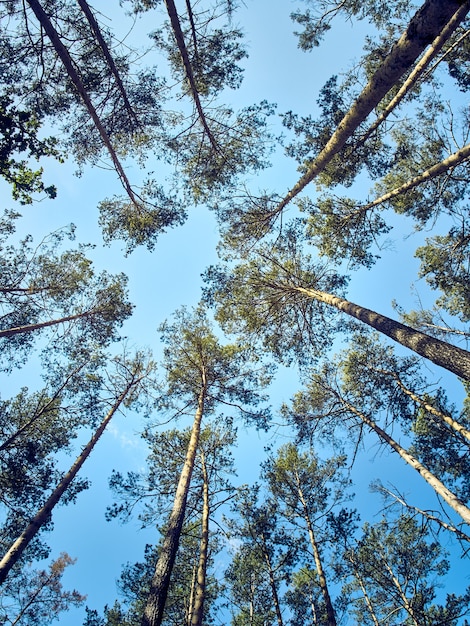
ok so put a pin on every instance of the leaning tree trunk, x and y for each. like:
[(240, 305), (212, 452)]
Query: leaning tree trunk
[(179, 37), (463, 154), (418, 71), (331, 617), (444, 354), (445, 417), (74, 76), (153, 612), (452, 500), (42, 516), (423, 28), (198, 609), (85, 7), (28, 328)]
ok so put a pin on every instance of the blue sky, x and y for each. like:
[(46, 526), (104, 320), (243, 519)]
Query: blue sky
[(169, 277)]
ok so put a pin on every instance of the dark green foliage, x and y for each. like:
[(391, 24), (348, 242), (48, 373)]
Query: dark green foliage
[(397, 564), (19, 138), (318, 21), (139, 225), (445, 265), (42, 283)]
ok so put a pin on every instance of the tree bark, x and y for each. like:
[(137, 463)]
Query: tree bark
[(198, 610), (452, 500), (449, 420), (85, 7), (41, 517), (436, 170), (153, 612), (423, 28), (10, 332), (331, 617), (444, 354), (68, 64), (178, 33), (418, 70)]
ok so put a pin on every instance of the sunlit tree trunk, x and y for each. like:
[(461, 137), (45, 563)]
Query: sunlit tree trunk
[(331, 617), (42, 516), (447, 419), (153, 612), (423, 28), (198, 611), (418, 70), (452, 500), (445, 355), (436, 170)]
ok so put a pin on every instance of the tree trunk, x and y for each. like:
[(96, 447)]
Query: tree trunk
[(444, 354), (10, 332), (68, 64), (198, 611), (153, 612), (426, 514), (331, 617), (272, 583), (179, 37), (447, 419), (42, 516), (423, 28), (104, 47), (418, 70), (452, 500), (360, 582), (436, 170)]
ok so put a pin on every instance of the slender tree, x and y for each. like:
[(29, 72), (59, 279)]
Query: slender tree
[(277, 294), (425, 25), (134, 373), (308, 490), (202, 373)]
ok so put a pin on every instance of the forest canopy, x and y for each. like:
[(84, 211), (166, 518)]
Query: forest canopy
[(235, 305)]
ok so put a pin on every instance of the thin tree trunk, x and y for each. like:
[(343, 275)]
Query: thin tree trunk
[(452, 500), (272, 583), (41, 517), (426, 514), (444, 354), (85, 7), (198, 610), (179, 37), (7, 443), (423, 28), (68, 64), (418, 70), (153, 612), (449, 420), (436, 170), (189, 613), (10, 332), (407, 605), (370, 608), (331, 617)]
